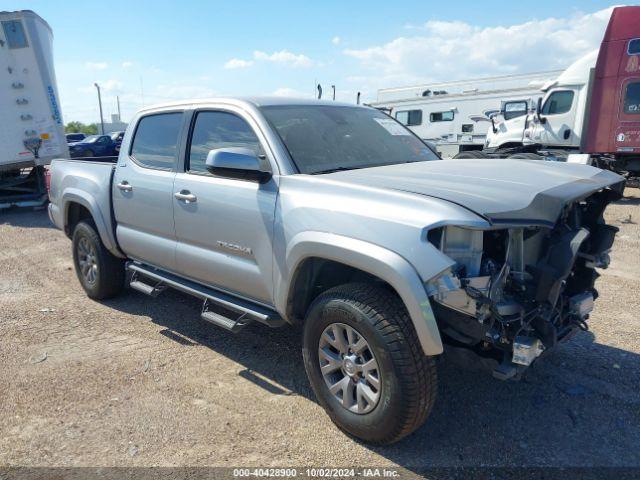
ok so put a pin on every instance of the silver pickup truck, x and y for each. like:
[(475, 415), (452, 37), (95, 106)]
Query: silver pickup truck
[(337, 218)]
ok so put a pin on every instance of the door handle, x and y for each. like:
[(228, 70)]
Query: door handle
[(185, 196), (124, 186)]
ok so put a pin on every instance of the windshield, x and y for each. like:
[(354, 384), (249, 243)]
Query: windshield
[(324, 138), (91, 139)]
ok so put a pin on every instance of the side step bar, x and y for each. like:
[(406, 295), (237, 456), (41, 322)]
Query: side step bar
[(221, 309)]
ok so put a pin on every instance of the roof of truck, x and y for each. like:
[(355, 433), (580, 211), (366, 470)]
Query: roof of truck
[(24, 13), (254, 101)]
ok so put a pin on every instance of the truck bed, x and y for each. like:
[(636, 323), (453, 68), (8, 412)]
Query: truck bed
[(88, 183)]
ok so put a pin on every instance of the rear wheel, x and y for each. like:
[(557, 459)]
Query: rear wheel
[(100, 273), (366, 365), (87, 154)]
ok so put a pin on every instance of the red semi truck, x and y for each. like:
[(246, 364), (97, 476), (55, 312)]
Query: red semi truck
[(589, 114)]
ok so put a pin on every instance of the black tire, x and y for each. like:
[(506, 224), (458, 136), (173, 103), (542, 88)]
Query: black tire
[(87, 154), (109, 272), (408, 377), (471, 154), (526, 156)]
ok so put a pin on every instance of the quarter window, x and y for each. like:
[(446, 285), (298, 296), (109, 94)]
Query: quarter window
[(634, 47), (214, 130), (14, 33), (410, 118), (558, 102), (155, 143), (632, 98), (441, 116)]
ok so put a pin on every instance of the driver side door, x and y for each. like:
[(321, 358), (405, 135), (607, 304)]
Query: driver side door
[(225, 229), (558, 119)]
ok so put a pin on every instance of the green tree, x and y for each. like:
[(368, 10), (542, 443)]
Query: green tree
[(79, 127)]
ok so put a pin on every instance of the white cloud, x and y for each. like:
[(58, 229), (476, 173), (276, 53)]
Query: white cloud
[(127, 64), (237, 63), (456, 50), (284, 57), (336, 40), (96, 65), (290, 92), (112, 85)]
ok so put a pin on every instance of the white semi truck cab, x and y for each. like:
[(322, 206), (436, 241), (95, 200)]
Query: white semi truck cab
[(562, 113), (589, 114)]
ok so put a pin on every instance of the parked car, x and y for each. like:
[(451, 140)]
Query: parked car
[(75, 137), (93, 146), (338, 218)]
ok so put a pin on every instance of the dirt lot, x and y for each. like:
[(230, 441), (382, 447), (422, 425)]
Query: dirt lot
[(135, 381)]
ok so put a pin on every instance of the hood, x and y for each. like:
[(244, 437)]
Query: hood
[(501, 190)]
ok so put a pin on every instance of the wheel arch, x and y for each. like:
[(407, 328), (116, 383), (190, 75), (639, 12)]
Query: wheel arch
[(360, 259), (77, 206)]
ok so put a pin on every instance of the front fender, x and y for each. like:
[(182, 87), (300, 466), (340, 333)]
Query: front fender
[(375, 260)]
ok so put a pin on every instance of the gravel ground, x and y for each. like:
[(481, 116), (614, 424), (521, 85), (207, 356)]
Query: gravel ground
[(140, 382)]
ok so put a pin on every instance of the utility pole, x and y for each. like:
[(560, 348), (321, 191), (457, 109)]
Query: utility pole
[(334, 91), (100, 104), (118, 101)]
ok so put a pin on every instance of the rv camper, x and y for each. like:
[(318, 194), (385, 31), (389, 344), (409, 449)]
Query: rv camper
[(442, 113)]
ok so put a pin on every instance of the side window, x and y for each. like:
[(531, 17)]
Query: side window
[(441, 116), (409, 118), (515, 109), (632, 98), (634, 47), (218, 130), (155, 143), (14, 33), (558, 102)]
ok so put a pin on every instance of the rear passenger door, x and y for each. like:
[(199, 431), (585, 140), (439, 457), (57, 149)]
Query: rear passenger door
[(143, 190), (225, 233)]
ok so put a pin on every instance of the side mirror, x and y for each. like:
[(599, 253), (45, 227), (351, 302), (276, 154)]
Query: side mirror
[(540, 118), (236, 162)]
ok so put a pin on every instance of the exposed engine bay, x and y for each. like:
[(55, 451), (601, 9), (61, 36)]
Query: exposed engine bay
[(515, 291)]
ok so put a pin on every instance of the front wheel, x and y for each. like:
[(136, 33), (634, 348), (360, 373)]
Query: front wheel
[(100, 273), (366, 365)]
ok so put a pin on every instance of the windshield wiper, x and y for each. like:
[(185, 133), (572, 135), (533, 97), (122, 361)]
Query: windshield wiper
[(343, 168)]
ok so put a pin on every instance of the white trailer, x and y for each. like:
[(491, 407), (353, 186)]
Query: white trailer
[(32, 132), (442, 113)]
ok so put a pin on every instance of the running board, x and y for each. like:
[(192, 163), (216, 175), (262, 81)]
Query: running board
[(220, 308)]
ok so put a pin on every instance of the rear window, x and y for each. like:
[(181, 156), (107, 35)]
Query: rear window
[(632, 98), (410, 118), (441, 116), (14, 33), (155, 144), (558, 102)]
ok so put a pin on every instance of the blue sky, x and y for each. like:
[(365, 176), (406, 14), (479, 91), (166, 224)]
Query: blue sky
[(150, 52)]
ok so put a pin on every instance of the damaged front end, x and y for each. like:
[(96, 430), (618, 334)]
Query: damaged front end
[(516, 290)]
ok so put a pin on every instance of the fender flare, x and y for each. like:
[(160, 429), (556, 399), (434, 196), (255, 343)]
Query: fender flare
[(104, 228), (375, 260)]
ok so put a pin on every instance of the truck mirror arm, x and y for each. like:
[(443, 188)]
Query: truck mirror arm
[(540, 118)]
